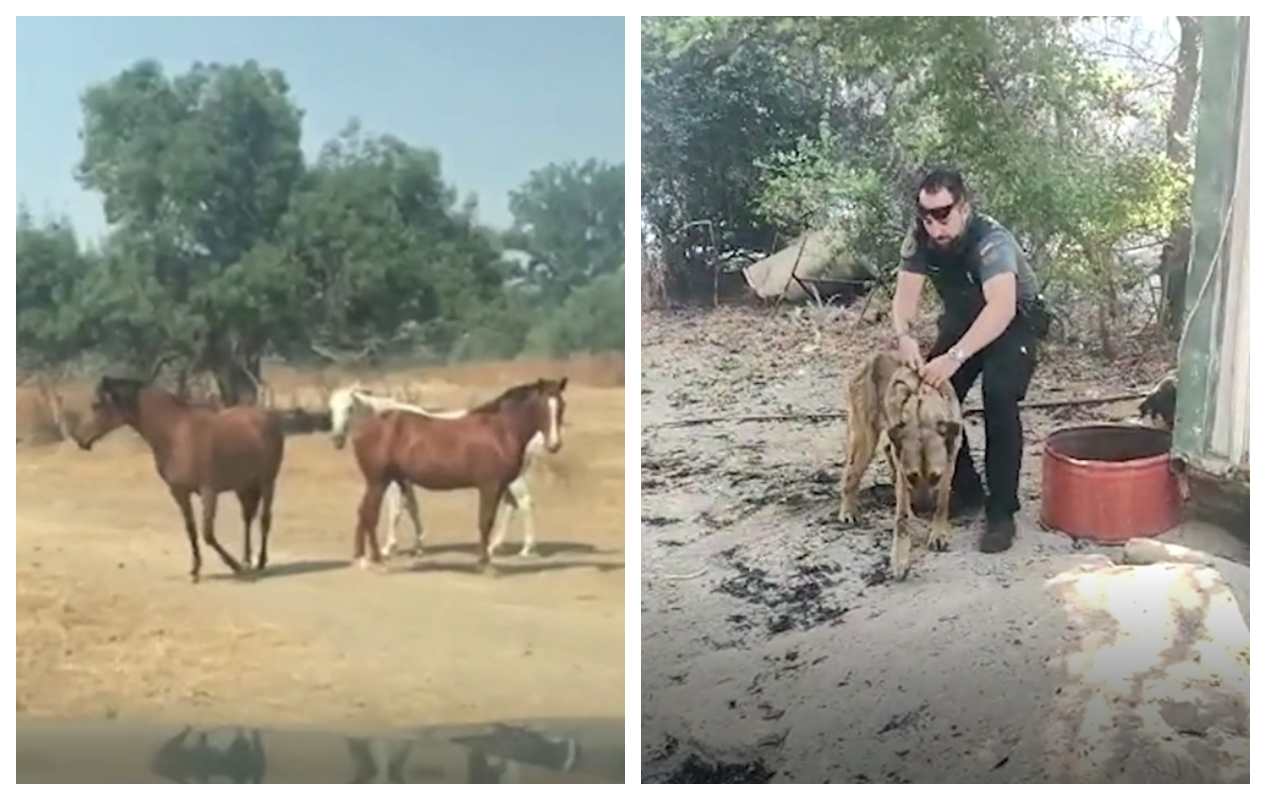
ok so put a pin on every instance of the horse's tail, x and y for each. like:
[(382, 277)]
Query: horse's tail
[(298, 420)]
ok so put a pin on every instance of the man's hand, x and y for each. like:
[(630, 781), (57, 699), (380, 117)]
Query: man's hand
[(937, 371), (908, 349)]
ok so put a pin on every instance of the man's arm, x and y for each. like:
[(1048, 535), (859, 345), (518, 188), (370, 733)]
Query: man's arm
[(905, 300), (994, 318)]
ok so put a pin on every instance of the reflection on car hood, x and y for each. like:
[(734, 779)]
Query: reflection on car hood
[(103, 751)]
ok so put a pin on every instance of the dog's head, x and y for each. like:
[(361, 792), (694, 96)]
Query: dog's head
[(923, 433)]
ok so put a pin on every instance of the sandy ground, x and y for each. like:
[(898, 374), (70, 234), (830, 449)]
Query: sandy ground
[(773, 645), (109, 625)]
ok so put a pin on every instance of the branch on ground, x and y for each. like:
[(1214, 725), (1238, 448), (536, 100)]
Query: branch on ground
[(825, 415)]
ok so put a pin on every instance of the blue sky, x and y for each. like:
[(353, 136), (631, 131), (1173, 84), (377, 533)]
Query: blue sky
[(496, 97)]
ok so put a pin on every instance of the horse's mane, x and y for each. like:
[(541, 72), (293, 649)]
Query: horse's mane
[(515, 394), (123, 391), (381, 403)]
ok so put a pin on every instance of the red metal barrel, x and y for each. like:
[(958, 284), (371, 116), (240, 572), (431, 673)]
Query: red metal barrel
[(1109, 483)]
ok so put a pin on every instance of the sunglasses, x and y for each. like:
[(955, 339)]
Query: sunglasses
[(940, 214)]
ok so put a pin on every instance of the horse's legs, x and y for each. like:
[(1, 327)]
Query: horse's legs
[(523, 500), (249, 498), (367, 523), (186, 509), (265, 523), (504, 514), (393, 515), (208, 529), (489, 499), (400, 498), (411, 505)]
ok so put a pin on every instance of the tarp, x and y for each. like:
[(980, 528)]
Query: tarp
[(821, 259)]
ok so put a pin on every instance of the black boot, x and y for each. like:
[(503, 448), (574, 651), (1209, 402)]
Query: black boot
[(999, 533)]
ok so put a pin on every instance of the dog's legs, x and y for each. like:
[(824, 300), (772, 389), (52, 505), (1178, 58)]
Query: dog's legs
[(899, 559), (862, 438), (938, 536), (938, 539)]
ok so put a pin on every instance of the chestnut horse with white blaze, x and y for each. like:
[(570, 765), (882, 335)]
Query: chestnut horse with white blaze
[(483, 449), (351, 405)]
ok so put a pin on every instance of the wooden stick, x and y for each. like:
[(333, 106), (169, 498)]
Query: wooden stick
[(686, 577), (1083, 401), (825, 415)]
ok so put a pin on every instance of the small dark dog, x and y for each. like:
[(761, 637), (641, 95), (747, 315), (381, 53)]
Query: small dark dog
[(1160, 404)]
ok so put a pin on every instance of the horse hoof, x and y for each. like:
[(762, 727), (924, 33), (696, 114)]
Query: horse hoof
[(193, 577), (525, 553)]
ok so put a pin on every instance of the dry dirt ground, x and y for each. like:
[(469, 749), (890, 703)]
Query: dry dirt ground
[(774, 647), (109, 625)]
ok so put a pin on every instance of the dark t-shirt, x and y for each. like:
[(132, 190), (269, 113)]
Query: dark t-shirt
[(986, 250)]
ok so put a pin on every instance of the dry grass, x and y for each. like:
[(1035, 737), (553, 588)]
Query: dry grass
[(107, 621), (36, 423), (106, 649), (43, 403)]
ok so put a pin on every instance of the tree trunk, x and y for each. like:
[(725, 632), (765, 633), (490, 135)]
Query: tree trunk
[(1105, 331), (1175, 253), (1110, 287), (235, 365), (236, 385), (1108, 302)]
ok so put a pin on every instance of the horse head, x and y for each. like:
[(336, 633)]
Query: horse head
[(344, 402), (115, 403), (551, 423)]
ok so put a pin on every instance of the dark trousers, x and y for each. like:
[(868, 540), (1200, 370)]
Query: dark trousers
[(1007, 364)]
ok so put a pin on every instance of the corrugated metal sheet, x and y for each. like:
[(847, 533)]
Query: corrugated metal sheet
[(1211, 432), (1228, 437)]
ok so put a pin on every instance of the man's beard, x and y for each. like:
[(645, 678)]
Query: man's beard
[(946, 244)]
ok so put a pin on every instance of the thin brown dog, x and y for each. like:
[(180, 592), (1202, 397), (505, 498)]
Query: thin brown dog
[(923, 428)]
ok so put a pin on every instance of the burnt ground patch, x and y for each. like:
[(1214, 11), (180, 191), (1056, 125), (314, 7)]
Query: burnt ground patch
[(696, 769), (800, 600)]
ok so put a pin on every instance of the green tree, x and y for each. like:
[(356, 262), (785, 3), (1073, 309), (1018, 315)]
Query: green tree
[(378, 248), (196, 172), (569, 219), (224, 246), (1052, 136), (49, 269), (591, 320)]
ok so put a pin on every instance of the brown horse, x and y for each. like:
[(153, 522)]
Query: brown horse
[(482, 450), (201, 450)]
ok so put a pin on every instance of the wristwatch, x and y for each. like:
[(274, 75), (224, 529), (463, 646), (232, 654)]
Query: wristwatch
[(958, 355)]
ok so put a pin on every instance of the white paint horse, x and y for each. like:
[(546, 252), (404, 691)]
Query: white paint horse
[(350, 404)]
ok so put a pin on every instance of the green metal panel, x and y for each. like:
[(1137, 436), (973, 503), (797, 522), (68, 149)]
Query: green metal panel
[(1223, 69)]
